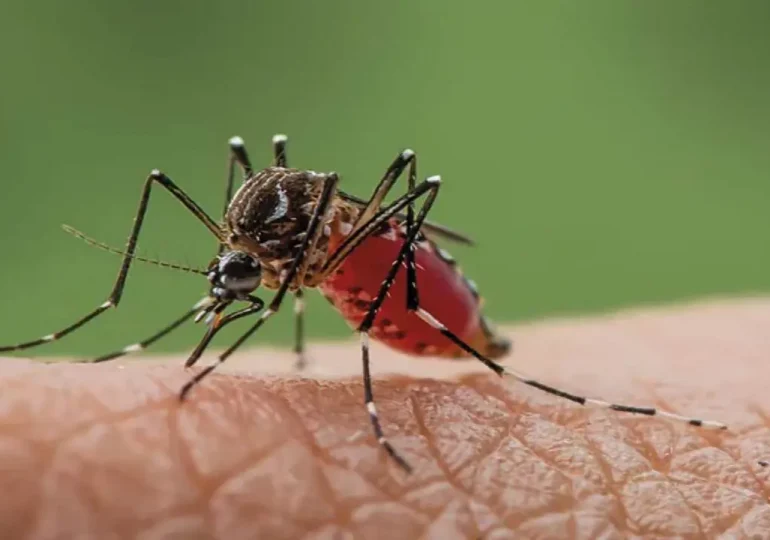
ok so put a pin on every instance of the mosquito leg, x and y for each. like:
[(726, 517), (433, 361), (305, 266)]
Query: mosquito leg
[(280, 160), (256, 305), (435, 229), (114, 298), (366, 324), (390, 177), (412, 230), (313, 232), (142, 345), (581, 400), (357, 236), (279, 150), (371, 408), (299, 330), (239, 156), (413, 305)]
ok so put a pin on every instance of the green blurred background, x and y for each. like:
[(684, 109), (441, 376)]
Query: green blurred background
[(603, 154)]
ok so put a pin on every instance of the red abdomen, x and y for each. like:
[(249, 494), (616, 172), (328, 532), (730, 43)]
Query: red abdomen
[(443, 292)]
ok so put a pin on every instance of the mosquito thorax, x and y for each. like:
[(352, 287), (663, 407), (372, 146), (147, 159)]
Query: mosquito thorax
[(270, 213), (269, 217), (234, 274)]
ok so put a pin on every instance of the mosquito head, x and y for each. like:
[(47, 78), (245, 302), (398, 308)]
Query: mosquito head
[(234, 274)]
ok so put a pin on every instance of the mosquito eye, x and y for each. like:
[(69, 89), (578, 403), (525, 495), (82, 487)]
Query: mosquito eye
[(239, 271), (241, 284)]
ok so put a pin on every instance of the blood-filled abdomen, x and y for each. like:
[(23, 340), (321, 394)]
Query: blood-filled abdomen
[(443, 292)]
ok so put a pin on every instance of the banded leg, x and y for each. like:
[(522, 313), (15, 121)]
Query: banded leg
[(358, 235), (392, 174), (413, 305), (142, 345), (256, 305), (497, 368), (366, 324), (237, 155), (299, 330), (280, 160), (313, 233), (117, 290), (581, 400), (279, 150)]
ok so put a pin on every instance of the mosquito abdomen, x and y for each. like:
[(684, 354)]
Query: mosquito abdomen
[(443, 291)]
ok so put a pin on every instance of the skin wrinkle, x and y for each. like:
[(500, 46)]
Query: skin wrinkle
[(608, 483), (22, 507), (186, 461), (434, 451), (693, 514), (342, 514), (278, 385), (235, 423), (616, 492), (214, 481), (436, 455), (703, 523), (717, 442), (454, 478), (664, 467), (516, 421)]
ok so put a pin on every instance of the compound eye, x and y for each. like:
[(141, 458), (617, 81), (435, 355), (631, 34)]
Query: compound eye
[(240, 272)]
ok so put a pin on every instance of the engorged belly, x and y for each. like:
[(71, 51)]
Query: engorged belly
[(442, 292)]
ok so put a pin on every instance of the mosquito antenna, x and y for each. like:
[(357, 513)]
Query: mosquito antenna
[(105, 247)]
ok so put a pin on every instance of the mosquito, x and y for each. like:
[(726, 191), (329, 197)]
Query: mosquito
[(378, 264)]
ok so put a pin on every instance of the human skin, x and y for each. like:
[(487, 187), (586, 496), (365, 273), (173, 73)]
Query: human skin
[(107, 451)]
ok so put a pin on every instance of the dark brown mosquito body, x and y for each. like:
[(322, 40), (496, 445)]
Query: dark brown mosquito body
[(269, 217), (288, 229)]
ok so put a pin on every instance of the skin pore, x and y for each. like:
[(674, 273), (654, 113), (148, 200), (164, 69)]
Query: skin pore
[(107, 451)]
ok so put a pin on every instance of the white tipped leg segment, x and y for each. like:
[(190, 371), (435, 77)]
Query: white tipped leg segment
[(299, 330), (117, 289), (581, 400), (279, 150), (142, 345), (236, 142), (430, 319), (371, 408)]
